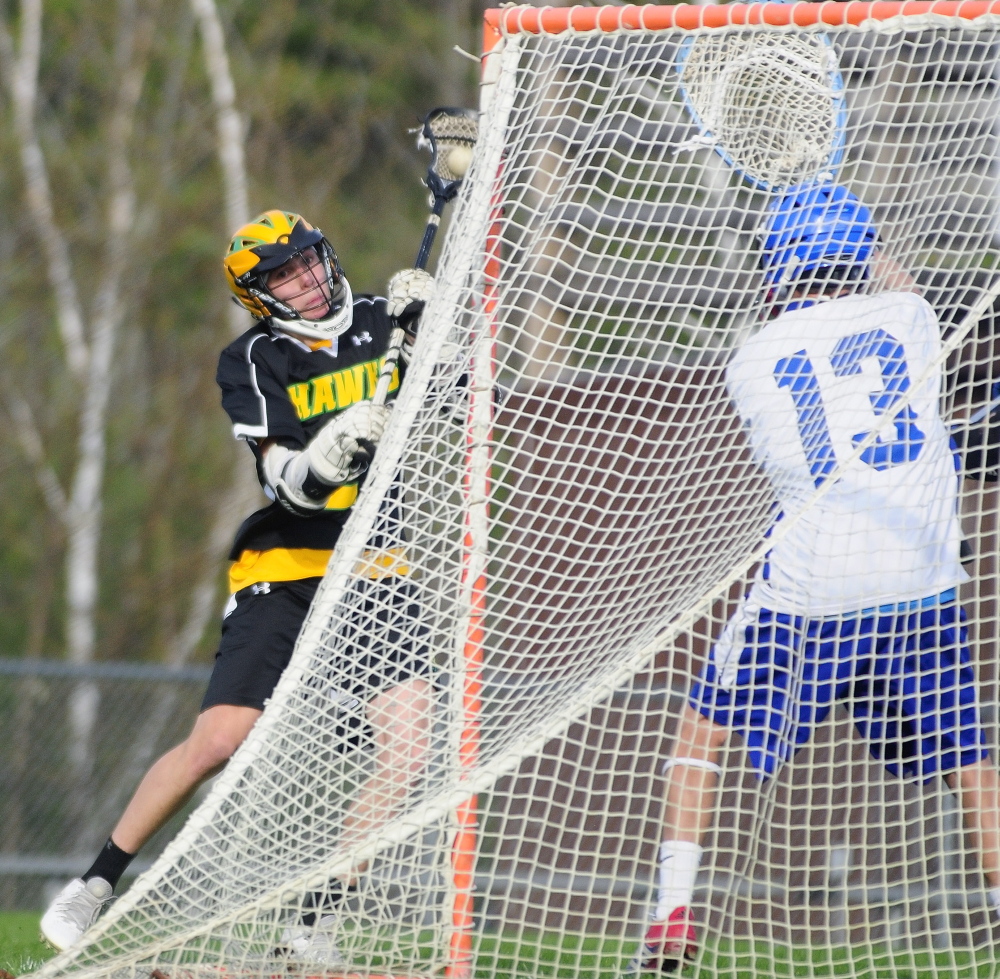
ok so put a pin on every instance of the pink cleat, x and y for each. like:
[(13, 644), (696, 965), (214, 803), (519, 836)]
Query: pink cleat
[(668, 944)]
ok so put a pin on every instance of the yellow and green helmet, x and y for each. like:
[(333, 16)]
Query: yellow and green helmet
[(267, 242)]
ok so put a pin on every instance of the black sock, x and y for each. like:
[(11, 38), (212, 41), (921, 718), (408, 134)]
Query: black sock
[(110, 864), (327, 900)]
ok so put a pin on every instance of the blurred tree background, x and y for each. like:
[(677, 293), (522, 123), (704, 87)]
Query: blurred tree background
[(327, 90), (116, 459)]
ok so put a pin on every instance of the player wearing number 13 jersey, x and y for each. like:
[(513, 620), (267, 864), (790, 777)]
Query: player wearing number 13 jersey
[(810, 387), (855, 602)]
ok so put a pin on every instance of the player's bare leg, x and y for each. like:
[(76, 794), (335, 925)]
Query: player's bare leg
[(692, 776), (690, 790), (400, 718), (173, 779), (978, 789)]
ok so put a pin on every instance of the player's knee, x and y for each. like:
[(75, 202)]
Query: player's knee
[(408, 750), (717, 735), (408, 768), (417, 753), (699, 732), (403, 711), (412, 747), (208, 751)]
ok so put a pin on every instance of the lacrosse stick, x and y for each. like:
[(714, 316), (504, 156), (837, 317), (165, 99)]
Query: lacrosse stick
[(770, 104), (451, 135)]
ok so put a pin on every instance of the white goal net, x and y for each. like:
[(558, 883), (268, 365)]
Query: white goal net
[(573, 510)]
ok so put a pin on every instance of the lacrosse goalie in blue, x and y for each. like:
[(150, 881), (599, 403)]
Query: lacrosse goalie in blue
[(856, 600)]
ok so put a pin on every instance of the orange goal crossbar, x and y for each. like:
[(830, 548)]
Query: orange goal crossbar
[(683, 16)]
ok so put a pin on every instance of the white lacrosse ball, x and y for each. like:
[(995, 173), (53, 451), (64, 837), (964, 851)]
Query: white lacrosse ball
[(459, 160)]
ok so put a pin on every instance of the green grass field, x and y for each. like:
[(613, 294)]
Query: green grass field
[(548, 956), (590, 957), (20, 948)]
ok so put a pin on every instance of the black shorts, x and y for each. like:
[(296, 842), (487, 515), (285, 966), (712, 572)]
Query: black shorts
[(258, 635)]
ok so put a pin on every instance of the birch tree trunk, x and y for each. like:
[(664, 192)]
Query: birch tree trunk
[(88, 347), (89, 354), (243, 493), (86, 498)]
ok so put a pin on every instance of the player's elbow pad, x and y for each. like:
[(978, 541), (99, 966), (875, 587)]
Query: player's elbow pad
[(296, 487)]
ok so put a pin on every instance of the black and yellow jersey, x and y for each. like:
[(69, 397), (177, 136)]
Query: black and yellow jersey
[(275, 386)]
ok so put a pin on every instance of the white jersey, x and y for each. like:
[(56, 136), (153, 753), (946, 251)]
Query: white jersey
[(811, 386)]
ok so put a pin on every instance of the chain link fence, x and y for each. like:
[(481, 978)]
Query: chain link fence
[(59, 798)]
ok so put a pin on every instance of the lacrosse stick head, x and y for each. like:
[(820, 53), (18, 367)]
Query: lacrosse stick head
[(451, 135), (770, 103)]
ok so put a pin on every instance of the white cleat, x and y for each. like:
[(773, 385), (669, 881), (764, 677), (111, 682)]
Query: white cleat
[(312, 944), (74, 910)]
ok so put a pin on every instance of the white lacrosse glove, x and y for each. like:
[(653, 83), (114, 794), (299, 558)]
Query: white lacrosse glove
[(407, 294), (332, 450)]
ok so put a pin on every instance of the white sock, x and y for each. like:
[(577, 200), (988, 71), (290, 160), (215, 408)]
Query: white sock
[(679, 862), (994, 896)]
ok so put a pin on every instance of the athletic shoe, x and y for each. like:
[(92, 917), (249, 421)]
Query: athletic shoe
[(312, 945), (74, 910), (668, 944)]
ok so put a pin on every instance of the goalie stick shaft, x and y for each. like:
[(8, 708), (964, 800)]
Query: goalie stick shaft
[(452, 131), (398, 335), (443, 183)]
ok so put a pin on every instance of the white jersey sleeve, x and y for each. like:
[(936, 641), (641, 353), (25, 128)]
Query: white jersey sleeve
[(811, 387)]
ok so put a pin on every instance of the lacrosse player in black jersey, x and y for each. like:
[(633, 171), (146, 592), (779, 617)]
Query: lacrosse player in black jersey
[(297, 387)]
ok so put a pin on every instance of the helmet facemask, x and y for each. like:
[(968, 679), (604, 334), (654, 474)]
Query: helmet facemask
[(310, 257)]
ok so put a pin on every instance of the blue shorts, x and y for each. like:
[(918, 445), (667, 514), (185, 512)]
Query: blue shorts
[(904, 672)]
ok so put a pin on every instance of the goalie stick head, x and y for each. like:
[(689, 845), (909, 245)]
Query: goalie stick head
[(770, 103), (269, 241), (815, 237), (451, 135)]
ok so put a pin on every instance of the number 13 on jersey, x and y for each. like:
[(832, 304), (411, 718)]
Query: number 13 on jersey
[(798, 375)]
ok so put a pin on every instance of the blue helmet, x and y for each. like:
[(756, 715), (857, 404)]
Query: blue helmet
[(813, 231)]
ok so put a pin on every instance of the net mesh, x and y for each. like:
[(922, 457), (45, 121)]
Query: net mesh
[(527, 586)]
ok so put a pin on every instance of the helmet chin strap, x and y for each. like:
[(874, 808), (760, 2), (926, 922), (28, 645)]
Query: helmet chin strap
[(322, 329)]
